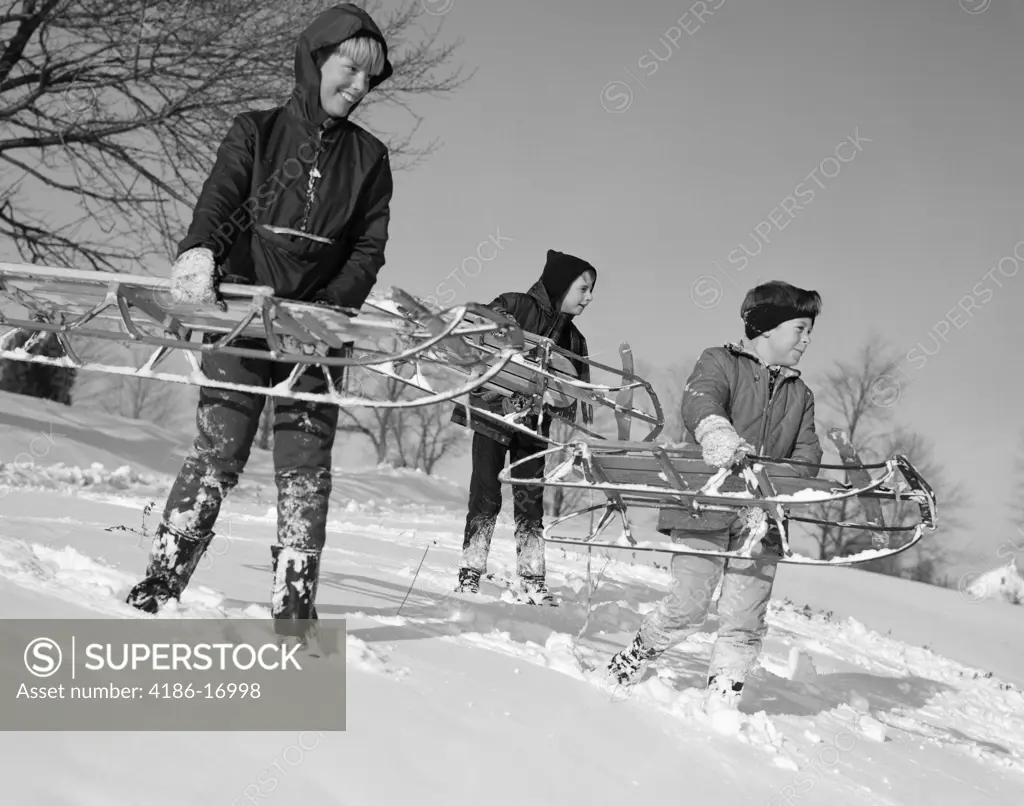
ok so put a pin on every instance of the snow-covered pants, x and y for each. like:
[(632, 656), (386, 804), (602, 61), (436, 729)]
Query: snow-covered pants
[(227, 423), (742, 604), (485, 504)]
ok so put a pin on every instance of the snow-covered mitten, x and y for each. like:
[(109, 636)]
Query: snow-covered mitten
[(755, 521), (721, 445), (192, 277), (516, 403), (293, 345), (723, 693)]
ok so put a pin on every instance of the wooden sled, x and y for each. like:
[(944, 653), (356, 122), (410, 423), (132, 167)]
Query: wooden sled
[(248, 321), (641, 474), (543, 376)]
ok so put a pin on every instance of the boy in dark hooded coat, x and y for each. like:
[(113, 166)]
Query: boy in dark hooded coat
[(298, 200), (563, 291)]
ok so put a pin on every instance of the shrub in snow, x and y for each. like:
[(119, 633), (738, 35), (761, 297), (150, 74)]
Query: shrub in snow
[(1004, 584)]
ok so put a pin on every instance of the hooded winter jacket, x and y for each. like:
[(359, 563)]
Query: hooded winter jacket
[(295, 167), (535, 313), (774, 414)]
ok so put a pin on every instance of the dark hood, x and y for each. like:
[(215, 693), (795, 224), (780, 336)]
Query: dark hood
[(561, 270), (557, 330), (540, 293), (329, 28)]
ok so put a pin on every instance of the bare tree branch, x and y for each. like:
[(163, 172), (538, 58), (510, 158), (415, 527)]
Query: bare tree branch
[(119, 106), (1017, 500), (847, 397)]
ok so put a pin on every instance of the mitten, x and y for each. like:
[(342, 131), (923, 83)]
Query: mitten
[(720, 444), (293, 345), (192, 277), (516, 403), (755, 522)]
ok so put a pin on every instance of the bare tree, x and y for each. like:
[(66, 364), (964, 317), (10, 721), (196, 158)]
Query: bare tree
[(375, 424), (135, 398), (36, 380), (1017, 490), (416, 437), (423, 436), (846, 398), (854, 397), (924, 562), (115, 109), (669, 381)]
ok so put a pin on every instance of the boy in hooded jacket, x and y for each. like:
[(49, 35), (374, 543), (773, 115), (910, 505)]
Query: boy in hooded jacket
[(740, 399), (547, 309), (298, 200)]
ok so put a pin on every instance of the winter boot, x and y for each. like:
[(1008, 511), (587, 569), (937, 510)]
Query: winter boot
[(628, 666), (296, 579), (722, 694), (469, 581), (172, 561), (533, 591)]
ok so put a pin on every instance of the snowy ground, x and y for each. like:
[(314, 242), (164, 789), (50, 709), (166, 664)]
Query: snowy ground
[(872, 690)]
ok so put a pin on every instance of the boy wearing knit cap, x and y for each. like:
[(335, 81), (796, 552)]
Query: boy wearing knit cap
[(548, 309), (740, 399)]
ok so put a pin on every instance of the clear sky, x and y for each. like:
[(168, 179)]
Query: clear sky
[(864, 148), (720, 111)]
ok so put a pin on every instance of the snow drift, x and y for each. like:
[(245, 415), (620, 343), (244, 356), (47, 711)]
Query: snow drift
[(871, 690)]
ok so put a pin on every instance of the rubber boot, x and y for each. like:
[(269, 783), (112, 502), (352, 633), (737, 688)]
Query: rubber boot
[(534, 591), (296, 579), (172, 561), (723, 693), (469, 581), (627, 667)]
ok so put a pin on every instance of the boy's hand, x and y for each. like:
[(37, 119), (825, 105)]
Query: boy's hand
[(516, 403), (721, 446), (293, 345), (192, 277)]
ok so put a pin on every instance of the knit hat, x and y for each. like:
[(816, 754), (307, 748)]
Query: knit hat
[(770, 304), (762, 318), (560, 272)]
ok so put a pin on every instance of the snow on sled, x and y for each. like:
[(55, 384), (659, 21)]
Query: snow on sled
[(79, 305), (543, 375), (646, 475)]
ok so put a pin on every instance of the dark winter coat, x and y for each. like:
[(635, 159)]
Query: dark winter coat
[(294, 167), (535, 313), (777, 418)]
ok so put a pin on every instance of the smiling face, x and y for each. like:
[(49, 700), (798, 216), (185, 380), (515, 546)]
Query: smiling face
[(579, 295), (785, 345), (343, 84)]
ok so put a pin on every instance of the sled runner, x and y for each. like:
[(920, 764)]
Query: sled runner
[(136, 309), (641, 474), (543, 374)]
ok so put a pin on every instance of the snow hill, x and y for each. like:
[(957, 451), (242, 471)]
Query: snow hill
[(872, 690)]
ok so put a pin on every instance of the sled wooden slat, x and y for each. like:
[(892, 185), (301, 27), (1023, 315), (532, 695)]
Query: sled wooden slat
[(646, 470)]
